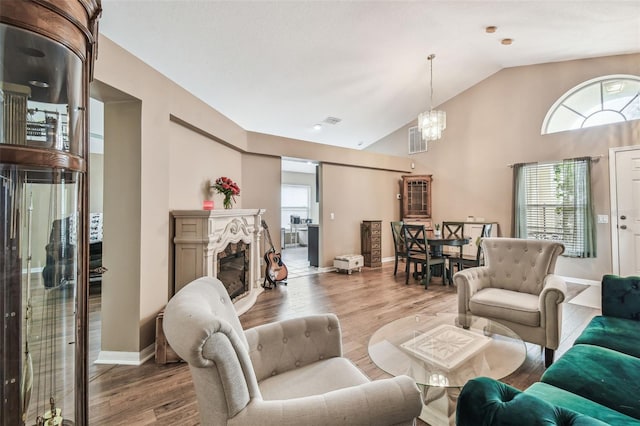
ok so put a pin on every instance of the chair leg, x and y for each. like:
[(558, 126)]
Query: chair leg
[(427, 279), (395, 267), (445, 274), (548, 357), (407, 272)]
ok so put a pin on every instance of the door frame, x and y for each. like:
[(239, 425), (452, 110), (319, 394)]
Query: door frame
[(615, 260)]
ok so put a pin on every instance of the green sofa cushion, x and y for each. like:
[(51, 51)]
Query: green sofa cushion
[(613, 333), (602, 375), (571, 401), (488, 402), (621, 297)]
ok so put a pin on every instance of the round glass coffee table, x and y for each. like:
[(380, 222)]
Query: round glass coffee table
[(441, 352)]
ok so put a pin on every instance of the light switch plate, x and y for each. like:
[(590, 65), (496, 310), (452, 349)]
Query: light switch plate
[(603, 218)]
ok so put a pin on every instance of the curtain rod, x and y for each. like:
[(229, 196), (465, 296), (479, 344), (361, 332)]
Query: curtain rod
[(594, 159)]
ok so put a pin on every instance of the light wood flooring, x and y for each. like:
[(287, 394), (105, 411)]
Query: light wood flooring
[(164, 395)]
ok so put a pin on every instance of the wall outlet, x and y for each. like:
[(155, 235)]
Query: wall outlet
[(332, 216)]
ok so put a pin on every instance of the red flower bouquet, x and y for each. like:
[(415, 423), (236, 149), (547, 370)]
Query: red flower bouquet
[(228, 188)]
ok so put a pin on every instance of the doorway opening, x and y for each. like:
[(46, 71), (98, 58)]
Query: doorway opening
[(299, 215)]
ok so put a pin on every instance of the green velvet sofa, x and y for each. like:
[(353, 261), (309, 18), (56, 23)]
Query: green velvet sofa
[(596, 382)]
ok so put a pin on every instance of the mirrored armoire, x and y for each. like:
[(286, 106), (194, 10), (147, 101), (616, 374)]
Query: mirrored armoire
[(46, 61)]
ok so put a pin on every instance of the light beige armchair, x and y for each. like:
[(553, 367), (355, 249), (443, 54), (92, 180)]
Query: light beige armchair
[(517, 288), (285, 373)]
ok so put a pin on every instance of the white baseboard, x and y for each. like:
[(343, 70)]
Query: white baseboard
[(126, 358), (581, 281), (388, 259)]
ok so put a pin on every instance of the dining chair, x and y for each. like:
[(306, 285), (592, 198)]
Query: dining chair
[(417, 252), (398, 244), (462, 261), (452, 228)]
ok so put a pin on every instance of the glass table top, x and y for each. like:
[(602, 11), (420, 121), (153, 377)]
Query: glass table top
[(435, 350)]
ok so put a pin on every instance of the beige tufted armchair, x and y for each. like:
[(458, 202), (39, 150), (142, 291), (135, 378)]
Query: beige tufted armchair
[(517, 288), (285, 373)]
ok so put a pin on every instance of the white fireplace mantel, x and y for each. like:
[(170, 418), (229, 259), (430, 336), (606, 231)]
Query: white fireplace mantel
[(199, 235)]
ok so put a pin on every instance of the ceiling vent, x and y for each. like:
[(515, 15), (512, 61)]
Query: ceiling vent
[(416, 143), (332, 120)]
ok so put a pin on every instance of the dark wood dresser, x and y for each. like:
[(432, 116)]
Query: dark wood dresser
[(371, 242)]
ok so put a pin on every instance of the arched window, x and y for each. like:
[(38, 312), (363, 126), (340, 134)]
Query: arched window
[(603, 100)]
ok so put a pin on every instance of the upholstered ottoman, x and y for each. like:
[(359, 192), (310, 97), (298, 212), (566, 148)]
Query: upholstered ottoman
[(348, 262)]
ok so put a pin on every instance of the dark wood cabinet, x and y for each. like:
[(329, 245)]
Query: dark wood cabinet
[(371, 242), (416, 199)]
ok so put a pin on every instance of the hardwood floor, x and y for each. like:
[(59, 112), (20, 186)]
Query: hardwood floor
[(163, 394)]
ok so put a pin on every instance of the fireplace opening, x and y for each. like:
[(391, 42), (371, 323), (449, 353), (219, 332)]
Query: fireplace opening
[(233, 268)]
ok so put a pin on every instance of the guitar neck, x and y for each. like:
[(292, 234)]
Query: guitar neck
[(264, 225)]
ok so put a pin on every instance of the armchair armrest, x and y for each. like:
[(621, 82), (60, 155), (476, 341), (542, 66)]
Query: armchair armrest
[(284, 345), (554, 290), (621, 297), (382, 402), (485, 401), (469, 282), (552, 295)]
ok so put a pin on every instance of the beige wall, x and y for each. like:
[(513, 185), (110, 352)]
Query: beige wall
[(190, 176), (354, 195), (497, 123), (261, 189), (122, 230)]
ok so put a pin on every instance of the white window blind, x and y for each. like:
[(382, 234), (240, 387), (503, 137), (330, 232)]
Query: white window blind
[(553, 203), (296, 201)]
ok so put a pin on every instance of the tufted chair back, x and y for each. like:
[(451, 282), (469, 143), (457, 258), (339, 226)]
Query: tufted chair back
[(202, 326), (518, 264)]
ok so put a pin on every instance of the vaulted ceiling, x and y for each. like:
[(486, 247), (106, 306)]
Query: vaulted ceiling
[(281, 67)]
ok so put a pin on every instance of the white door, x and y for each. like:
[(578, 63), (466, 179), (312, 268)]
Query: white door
[(627, 210)]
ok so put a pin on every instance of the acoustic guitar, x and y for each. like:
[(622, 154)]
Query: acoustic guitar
[(275, 270)]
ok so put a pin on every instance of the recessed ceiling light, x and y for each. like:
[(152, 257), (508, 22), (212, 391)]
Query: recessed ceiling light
[(491, 29), (317, 126), (37, 83), (506, 41)]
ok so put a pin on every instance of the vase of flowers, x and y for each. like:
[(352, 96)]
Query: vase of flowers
[(229, 189)]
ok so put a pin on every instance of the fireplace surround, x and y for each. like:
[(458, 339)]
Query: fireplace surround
[(201, 238)]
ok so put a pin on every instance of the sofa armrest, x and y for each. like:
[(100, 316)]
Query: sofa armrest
[(621, 297), (469, 282), (382, 402), (284, 345), (485, 401)]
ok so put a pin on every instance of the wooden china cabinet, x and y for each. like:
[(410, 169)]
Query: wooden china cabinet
[(46, 63), (416, 199)]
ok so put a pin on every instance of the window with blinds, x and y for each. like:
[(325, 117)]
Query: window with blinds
[(296, 201), (553, 202)]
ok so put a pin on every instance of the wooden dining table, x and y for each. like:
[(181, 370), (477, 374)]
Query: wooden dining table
[(436, 244)]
